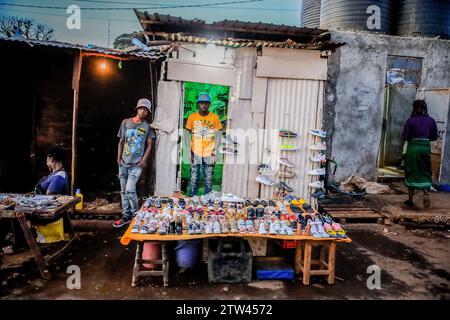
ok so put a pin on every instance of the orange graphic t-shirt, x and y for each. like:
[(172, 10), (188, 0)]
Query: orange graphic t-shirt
[(203, 131)]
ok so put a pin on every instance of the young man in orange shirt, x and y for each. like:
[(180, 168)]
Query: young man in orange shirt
[(204, 126)]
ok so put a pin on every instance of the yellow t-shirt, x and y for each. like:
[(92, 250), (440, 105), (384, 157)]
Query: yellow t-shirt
[(203, 131)]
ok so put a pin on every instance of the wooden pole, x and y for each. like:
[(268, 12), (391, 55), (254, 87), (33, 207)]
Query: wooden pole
[(76, 88)]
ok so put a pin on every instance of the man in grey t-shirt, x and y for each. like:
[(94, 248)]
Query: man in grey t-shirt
[(134, 147)]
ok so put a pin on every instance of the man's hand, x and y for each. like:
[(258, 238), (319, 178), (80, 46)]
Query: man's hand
[(142, 163)]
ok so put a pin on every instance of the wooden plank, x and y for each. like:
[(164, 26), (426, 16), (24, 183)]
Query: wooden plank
[(303, 64), (331, 261), (60, 252), (244, 62), (319, 272), (256, 148), (356, 215), (187, 71), (259, 94), (307, 263)]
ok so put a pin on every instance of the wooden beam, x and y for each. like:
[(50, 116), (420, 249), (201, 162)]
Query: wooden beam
[(76, 88)]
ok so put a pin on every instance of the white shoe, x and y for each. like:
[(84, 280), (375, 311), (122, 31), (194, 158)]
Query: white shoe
[(319, 158), (230, 141), (316, 184), (319, 133), (319, 146), (228, 150), (265, 180), (286, 162), (229, 197), (317, 172), (265, 169)]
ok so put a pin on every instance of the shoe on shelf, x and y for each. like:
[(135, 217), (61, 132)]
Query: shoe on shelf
[(319, 194), (318, 132), (265, 180), (284, 186), (262, 228), (317, 172), (287, 134), (229, 197), (286, 162), (227, 139), (266, 169), (288, 147), (272, 229), (228, 150), (288, 174), (318, 158), (316, 184), (321, 146)]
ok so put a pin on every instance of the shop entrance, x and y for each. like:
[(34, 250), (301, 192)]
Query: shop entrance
[(219, 105)]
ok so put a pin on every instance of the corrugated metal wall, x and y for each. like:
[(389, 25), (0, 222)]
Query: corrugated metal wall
[(294, 105)]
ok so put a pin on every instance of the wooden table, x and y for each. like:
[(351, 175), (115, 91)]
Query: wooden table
[(24, 215), (303, 262)]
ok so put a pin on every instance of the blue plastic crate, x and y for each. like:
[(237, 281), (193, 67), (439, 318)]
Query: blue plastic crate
[(275, 274)]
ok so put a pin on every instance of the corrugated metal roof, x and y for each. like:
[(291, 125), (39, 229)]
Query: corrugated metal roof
[(153, 54), (158, 23), (242, 43)]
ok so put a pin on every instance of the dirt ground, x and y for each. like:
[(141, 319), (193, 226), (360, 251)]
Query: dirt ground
[(415, 264)]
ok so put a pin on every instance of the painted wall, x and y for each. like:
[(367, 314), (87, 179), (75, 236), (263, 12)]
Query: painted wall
[(354, 93)]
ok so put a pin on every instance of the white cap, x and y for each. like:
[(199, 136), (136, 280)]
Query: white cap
[(144, 103)]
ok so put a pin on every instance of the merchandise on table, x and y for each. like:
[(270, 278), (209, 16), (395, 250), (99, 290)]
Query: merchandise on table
[(31, 202), (212, 215)]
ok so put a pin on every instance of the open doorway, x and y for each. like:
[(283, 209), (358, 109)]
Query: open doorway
[(219, 105), (402, 80)]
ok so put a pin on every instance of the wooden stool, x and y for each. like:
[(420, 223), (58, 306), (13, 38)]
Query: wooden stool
[(138, 264), (303, 261)]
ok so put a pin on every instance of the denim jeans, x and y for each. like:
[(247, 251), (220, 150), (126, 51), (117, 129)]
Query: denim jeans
[(199, 163), (128, 177)]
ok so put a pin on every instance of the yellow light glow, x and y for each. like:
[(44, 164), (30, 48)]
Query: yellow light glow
[(103, 66)]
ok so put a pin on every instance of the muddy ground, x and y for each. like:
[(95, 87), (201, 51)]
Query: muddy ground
[(415, 264)]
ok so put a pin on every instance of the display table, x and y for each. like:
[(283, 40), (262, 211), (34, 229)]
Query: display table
[(303, 262), (24, 214)]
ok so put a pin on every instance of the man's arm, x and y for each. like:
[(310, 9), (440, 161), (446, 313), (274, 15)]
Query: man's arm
[(148, 148), (119, 150)]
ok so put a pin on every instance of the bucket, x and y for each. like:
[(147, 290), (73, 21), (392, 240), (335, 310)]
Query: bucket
[(151, 251)]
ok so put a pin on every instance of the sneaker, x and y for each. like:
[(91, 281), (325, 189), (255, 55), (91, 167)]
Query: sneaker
[(121, 222), (228, 150), (317, 172), (241, 226), (272, 229), (265, 180), (288, 147), (320, 229), (265, 169), (199, 228), (260, 211), (229, 197), (179, 227), (320, 194), (282, 231), (250, 226), (317, 184), (191, 229), (286, 174), (251, 213), (216, 227), (286, 162), (262, 228), (152, 226), (319, 146), (172, 228), (233, 226), (319, 158), (158, 203), (287, 134), (229, 140), (225, 227), (277, 226), (319, 133), (162, 228), (137, 222), (284, 186)]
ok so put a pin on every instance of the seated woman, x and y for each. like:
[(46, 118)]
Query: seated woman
[(57, 181)]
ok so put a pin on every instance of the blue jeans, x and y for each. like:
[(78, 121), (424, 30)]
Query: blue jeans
[(199, 163), (128, 177)]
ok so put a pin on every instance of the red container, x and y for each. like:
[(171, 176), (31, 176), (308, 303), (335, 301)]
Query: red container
[(289, 244), (151, 251)]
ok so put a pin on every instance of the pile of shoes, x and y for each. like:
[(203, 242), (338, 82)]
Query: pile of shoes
[(177, 216), (31, 202), (321, 159)]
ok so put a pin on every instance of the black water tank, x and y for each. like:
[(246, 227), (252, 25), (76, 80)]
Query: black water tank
[(352, 14), (310, 14), (423, 18)]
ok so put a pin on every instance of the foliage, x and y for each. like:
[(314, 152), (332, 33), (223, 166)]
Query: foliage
[(29, 29)]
